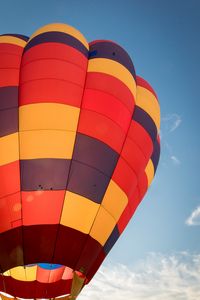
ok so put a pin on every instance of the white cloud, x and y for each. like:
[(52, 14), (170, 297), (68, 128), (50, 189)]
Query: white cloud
[(158, 277), (194, 218), (172, 122), (175, 160)]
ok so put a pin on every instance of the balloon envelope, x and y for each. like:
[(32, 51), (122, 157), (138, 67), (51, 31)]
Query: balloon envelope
[(79, 147)]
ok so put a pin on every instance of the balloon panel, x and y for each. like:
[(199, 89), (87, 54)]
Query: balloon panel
[(79, 147)]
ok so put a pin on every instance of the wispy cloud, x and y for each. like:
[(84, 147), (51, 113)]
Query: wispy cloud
[(175, 160), (158, 277), (194, 218), (172, 122)]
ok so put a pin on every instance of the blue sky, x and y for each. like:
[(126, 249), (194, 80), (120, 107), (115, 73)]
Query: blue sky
[(162, 38)]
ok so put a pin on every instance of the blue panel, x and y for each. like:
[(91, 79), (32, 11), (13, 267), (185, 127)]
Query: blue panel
[(49, 266)]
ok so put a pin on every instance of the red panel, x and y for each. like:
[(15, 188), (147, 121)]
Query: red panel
[(146, 85), (68, 273), (53, 68), (42, 275), (9, 60), (42, 207), (56, 51), (11, 48), (96, 265), (48, 276), (143, 185), (125, 177), (56, 274), (138, 134), (50, 90), (34, 289), (10, 212), (101, 128), (111, 85), (134, 156), (9, 77), (107, 105), (97, 41), (11, 254), (134, 201), (124, 219), (9, 178), (89, 255)]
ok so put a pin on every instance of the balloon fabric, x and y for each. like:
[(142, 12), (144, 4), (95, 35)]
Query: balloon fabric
[(79, 147)]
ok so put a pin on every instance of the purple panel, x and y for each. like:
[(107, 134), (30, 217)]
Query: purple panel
[(8, 121), (87, 181), (110, 50), (8, 97), (44, 174), (20, 36), (111, 240), (57, 37), (155, 155), (95, 153), (143, 118)]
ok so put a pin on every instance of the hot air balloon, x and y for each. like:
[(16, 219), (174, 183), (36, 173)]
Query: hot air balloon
[(79, 147)]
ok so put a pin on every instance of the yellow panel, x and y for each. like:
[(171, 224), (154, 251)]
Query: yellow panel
[(62, 28), (12, 40), (46, 144), (9, 149), (148, 102), (31, 273), (115, 200), (24, 274), (78, 212), (48, 116), (103, 226), (6, 273), (18, 273), (115, 69), (149, 172)]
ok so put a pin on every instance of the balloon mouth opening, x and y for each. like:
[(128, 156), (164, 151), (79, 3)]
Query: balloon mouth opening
[(42, 272)]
